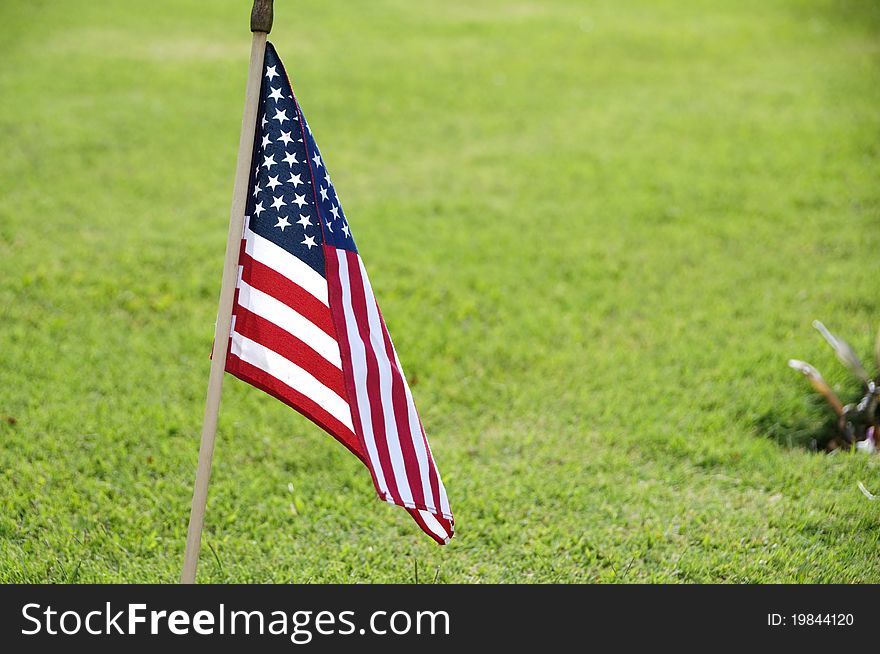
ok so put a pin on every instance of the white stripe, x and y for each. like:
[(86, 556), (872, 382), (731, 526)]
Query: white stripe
[(278, 313), (359, 372), (434, 525), (280, 260), (445, 509), (292, 375), (392, 438), (444, 500), (415, 430)]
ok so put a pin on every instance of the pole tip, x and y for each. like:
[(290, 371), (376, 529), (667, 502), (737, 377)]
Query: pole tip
[(261, 16)]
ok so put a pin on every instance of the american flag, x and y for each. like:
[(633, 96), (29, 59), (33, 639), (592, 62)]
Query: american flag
[(306, 327)]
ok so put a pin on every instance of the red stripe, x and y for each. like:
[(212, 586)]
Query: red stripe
[(401, 418), (359, 308), (400, 408), (447, 525), (269, 335), (421, 523), (296, 400), (337, 312), (267, 280), (432, 470)]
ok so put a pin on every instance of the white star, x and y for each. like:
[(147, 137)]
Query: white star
[(310, 242), (278, 202), (295, 180), (266, 141), (345, 229), (285, 137), (282, 223), (280, 116), (263, 120), (327, 222), (270, 72), (290, 159), (323, 193), (269, 161), (275, 94), (304, 221), (273, 182), (327, 179), (335, 212), (257, 188), (259, 209), (317, 160), (300, 200)]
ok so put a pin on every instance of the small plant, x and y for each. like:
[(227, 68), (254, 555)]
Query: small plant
[(856, 423)]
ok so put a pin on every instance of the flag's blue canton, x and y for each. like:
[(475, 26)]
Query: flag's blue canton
[(290, 176), (336, 231)]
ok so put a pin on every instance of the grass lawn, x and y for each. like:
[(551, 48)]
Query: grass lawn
[(597, 231)]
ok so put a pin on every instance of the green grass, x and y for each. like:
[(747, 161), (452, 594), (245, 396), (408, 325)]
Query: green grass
[(597, 231)]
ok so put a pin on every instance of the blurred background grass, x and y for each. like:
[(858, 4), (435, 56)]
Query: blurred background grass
[(597, 231)]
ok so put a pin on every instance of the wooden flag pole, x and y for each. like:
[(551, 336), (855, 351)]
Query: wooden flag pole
[(261, 25)]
